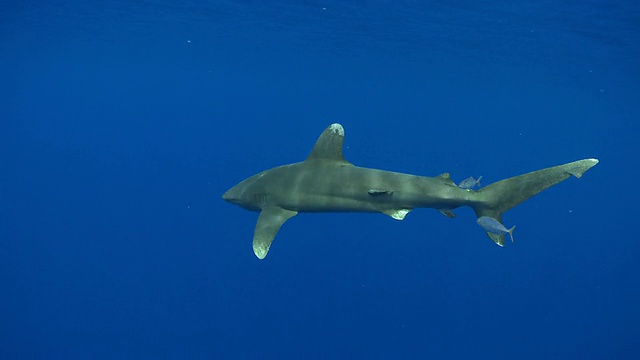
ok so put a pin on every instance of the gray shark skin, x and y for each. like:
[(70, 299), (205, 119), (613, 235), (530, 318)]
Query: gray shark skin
[(326, 182)]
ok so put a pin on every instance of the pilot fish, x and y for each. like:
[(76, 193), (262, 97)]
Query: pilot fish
[(469, 183), (493, 226)]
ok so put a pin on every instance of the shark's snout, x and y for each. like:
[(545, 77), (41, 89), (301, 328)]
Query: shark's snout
[(235, 195), (229, 195)]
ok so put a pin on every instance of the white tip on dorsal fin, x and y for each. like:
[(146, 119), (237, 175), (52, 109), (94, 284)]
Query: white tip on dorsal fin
[(329, 145)]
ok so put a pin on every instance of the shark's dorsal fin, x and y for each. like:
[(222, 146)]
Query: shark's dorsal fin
[(446, 177), (269, 222), (329, 145)]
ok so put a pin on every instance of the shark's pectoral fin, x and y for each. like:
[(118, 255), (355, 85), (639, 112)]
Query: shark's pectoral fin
[(269, 222), (397, 214)]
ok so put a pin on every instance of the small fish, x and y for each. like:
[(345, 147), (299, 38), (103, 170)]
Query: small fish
[(493, 226), (469, 183)]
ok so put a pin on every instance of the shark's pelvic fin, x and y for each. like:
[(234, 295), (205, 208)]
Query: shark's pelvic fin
[(397, 214), (329, 145), (269, 222)]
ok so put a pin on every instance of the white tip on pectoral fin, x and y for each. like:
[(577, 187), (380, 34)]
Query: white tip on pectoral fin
[(269, 222)]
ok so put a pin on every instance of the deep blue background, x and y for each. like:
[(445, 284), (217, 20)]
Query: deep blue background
[(122, 124)]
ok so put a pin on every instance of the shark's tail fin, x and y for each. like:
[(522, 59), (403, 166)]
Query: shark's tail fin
[(499, 197)]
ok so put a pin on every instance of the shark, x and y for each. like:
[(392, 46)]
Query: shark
[(326, 182)]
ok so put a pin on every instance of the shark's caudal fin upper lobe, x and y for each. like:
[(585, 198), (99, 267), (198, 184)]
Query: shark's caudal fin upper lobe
[(501, 196)]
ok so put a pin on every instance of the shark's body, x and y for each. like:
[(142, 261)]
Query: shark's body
[(326, 182)]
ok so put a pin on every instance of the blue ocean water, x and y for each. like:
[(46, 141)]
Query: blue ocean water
[(123, 123)]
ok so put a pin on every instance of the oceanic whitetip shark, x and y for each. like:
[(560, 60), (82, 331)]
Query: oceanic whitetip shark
[(326, 182)]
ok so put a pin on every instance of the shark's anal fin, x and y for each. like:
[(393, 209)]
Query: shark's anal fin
[(269, 222), (447, 212), (397, 214)]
